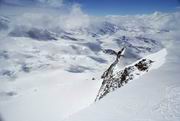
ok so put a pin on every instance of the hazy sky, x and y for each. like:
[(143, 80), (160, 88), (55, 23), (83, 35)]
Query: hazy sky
[(107, 7)]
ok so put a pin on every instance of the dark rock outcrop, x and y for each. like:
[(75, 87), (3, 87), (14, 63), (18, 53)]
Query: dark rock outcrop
[(116, 80)]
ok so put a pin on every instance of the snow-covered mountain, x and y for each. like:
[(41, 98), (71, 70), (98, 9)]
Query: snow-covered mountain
[(88, 41), (50, 66), (3, 23)]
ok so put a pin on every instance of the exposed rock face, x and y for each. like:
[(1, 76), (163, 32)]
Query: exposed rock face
[(110, 70), (120, 78)]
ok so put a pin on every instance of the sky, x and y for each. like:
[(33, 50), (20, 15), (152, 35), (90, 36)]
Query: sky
[(103, 7), (107, 7)]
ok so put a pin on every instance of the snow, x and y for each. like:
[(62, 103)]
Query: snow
[(119, 77), (44, 79), (54, 94), (158, 58), (153, 96)]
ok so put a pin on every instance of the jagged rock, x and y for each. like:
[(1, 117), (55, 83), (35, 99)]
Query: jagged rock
[(143, 65), (109, 51), (117, 80), (109, 71)]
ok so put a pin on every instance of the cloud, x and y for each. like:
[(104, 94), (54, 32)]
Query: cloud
[(76, 18), (178, 7), (67, 16), (50, 3), (73, 18), (53, 3)]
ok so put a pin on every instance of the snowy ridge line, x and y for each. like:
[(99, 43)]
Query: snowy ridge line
[(131, 72)]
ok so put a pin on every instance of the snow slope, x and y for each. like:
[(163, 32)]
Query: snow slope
[(50, 68), (153, 97), (50, 94), (119, 77)]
